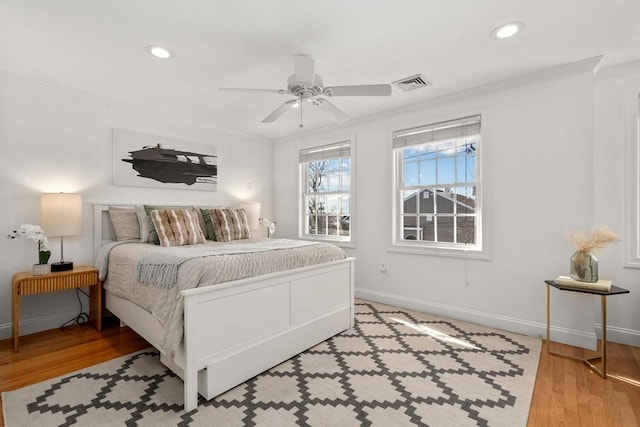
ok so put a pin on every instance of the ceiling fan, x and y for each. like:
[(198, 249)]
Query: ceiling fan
[(308, 88)]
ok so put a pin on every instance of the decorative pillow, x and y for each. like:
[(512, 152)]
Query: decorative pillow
[(207, 221), (153, 234), (177, 227), (125, 223), (143, 222), (230, 224)]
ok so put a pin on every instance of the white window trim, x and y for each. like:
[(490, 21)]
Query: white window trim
[(301, 185), (632, 180), (439, 248)]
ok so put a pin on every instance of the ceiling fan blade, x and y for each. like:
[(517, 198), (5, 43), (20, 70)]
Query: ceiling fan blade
[(238, 89), (360, 90), (304, 66), (328, 108), (280, 111)]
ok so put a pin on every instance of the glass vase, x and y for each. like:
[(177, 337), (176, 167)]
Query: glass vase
[(584, 267)]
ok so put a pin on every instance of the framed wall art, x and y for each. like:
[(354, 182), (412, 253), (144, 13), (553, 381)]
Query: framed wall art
[(144, 160)]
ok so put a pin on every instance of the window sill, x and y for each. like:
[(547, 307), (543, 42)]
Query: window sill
[(443, 252), (339, 243)]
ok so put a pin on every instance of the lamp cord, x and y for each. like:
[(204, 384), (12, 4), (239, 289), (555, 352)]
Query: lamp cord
[(82, 318)]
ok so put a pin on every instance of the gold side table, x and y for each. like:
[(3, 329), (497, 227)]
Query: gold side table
[(25, 283), (615, 290)]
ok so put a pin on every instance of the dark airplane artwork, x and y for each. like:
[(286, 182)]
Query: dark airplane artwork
[(172, 166)]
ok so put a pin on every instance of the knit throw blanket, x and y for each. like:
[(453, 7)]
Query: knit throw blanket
[(161, 268)]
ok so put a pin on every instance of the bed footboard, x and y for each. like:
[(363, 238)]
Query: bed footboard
[(239, 329)]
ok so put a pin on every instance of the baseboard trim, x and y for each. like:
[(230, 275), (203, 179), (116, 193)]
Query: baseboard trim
[(620, 335), (38, 324), (573, 337)]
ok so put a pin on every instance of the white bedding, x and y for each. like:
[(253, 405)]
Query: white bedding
[(165, 303)]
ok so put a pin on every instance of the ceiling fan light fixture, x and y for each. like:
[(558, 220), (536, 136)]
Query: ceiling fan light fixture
[(508, 30), (159, 51)]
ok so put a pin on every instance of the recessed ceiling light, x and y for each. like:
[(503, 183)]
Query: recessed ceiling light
[(507, 30), (159, 51)]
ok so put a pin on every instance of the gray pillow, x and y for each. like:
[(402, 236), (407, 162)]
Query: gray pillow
[(125, 223), (143, 222)]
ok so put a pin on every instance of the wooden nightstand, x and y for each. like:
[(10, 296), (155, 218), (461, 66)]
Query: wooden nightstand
[(25, 283)]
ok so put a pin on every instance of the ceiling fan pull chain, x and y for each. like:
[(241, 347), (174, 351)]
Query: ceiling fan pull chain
[(301, 125)]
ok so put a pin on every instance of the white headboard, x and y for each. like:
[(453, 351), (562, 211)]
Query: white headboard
[(103, 231)]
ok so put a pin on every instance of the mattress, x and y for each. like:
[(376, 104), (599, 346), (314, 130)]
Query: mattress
[(211, 264)]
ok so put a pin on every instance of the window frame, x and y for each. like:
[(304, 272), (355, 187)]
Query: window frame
[(342, 241), (632, 180), (479, 250)]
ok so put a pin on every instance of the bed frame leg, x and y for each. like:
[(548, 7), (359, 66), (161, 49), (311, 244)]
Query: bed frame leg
[(190, 391)]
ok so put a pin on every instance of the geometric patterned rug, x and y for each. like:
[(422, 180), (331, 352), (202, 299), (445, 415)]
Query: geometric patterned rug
[(396, 367)]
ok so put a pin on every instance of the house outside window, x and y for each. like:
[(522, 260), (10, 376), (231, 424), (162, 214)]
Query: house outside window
[(437, 186), (326, 196)]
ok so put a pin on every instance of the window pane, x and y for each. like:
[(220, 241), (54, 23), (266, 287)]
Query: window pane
[(332, 204), (465, 200), (446, 148), (427, 224), (345, 225), (410, 173), (443, 200), (311, 225), (321, 204), (445, 229), (409, 228), (345, 204), (427, 172), (311, 204), (446, 170), (427, 151), (466, 232), (316, 174), (345, 174), (426, 202), (410, 201), (465, 169), (332, 225), (322, 225)]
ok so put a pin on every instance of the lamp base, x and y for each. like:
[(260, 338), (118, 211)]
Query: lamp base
[(62, 266)]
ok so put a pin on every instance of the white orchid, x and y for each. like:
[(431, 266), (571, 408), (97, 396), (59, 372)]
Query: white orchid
[(269, 225), (35, 233)]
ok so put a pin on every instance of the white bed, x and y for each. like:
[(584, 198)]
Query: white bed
[(235, 330)]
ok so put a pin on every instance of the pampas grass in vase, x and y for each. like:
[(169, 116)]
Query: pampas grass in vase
[(584, 265)]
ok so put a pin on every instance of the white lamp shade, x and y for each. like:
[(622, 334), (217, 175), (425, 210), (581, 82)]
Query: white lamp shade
[(252, 209), (61, 214)]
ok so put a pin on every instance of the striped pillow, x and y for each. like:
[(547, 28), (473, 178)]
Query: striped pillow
[(230, 224), (177, 227)]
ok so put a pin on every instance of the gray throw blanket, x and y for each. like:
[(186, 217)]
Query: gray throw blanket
[(161, 268)]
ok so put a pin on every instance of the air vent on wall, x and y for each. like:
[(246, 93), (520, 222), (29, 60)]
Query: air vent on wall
[(412, 83)]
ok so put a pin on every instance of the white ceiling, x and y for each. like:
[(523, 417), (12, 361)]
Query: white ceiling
[(99, 47)]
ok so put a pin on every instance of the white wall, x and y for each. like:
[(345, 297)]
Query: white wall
[(538, 182), (55, 139)]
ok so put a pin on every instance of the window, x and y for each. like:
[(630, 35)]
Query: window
[(326, 185), (632, 232), (437, 186)]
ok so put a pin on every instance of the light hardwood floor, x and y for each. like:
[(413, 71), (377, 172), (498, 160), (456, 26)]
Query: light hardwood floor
[(566, 393)]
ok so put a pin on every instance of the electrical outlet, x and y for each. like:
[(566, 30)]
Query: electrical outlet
[(383, 267)]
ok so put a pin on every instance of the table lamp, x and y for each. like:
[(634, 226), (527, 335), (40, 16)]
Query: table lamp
[(252, 209), (61, 216)]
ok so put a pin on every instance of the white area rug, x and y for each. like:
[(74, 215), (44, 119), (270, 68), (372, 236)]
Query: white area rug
[(396, 367)]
